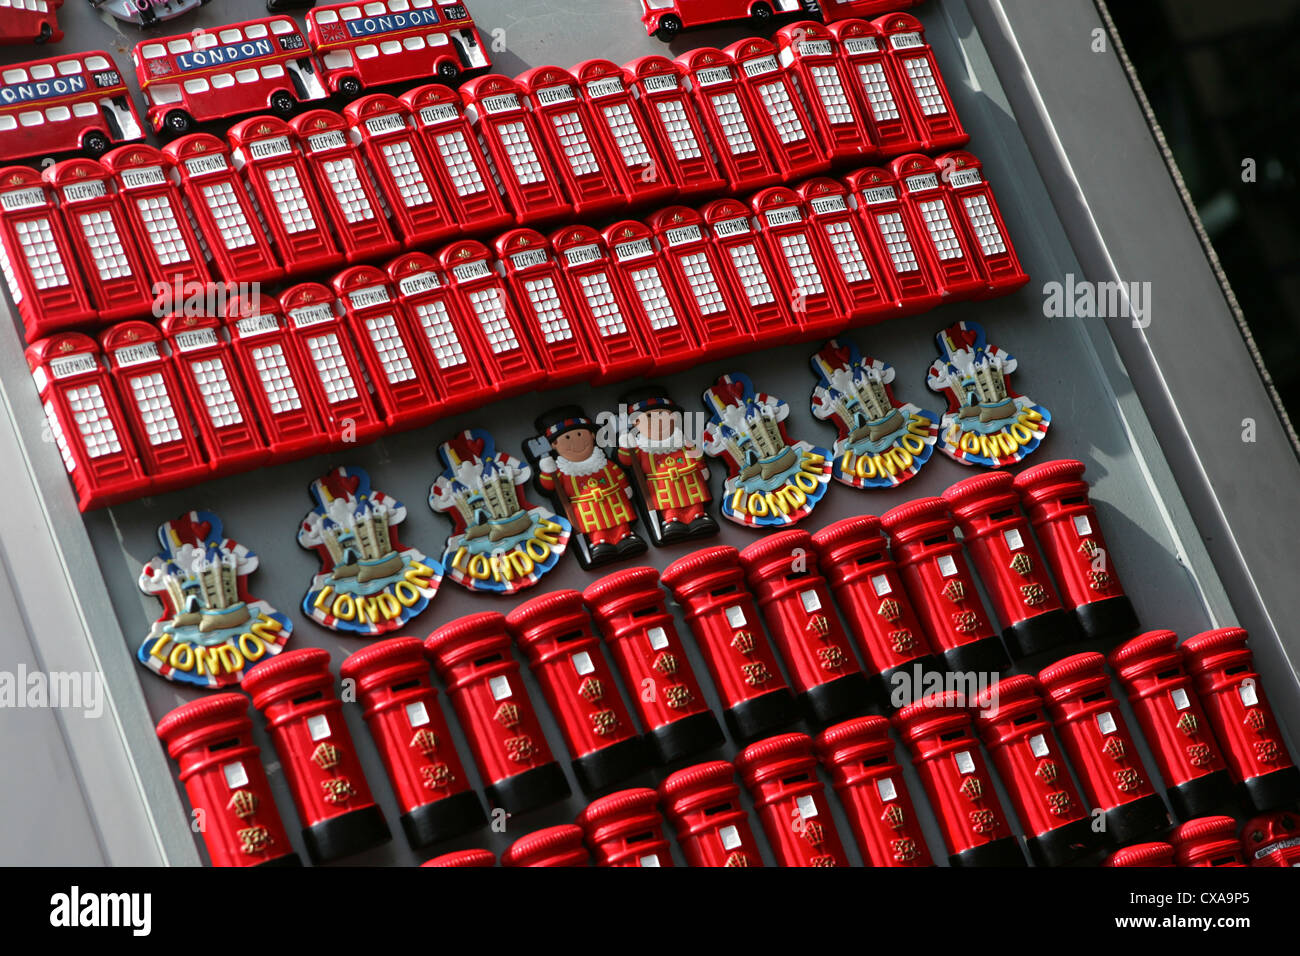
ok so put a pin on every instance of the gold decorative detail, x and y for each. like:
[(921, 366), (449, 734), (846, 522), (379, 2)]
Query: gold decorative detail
[(890, 609), (905, 849), (1047, 771), (326, 756), (678, 696), (901, 640), (973, 788), (1268, 751), (1088, 548), (1098, 580), (1199, 755), (1034, 594), (1128, 779), (338, 790), (1113, 748), (756, 673), (743, 642), (254, 839), (591, 690), (894, 817), (1058, 803), (425, 741), (507, 715), (604, 722), (831, 658), (1255, 720), (983, 821), (819, 624), (244, 803), (520, 749), (436, 775), (666, 663), (954, 591), (824, 860), (1022, 564), (814, 833), (737, 859), (1188, 724), (965, 622)]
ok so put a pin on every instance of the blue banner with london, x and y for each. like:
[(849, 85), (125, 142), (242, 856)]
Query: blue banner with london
[(500, 542), (882, 442), (772, 482), (987, 423), (211, 630), (368, 584)]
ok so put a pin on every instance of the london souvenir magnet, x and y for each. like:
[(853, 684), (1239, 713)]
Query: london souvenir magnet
[(670, 477), (211, 630), (773, 482), (368, 583), (499, 542), (986, 423), (588, 485), (882, 442)]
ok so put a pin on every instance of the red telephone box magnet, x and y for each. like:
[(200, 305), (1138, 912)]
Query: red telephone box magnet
[(780, 110), (212, 630), (645, 275), (748, 270), (986, 423), (867, 288), (804, 262), (963, 175), (882, 442), (887, 120), (590, 487), (660, 88), (772, 481), (671, 480), (810, 56), (731, 119), (942, 239), (894, 239), (500, 542), (369, 583), (922, 84)]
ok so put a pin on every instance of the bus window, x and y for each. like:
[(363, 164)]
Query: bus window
[(84, 109), (205, 41), (179, 46), (230, 36), (414, 43), (256, 31), (198, 85), (33, 118), (42, 71), (222, 80), (282, 26), (374, 9), (272, 71), (399, 6), (57, 114), (351, 13), (7, 123), (151, 50), (367, 52), (69, 67), (246, 76), (390, 46), (327, 16)]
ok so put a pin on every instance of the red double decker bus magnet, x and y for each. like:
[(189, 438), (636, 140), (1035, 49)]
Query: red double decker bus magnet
[(773, 482), (986, 423), (369, 582), (500, 542), (882, 442), (211, 630)]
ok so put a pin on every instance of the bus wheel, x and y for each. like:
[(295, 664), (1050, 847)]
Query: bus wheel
[(177, 123), (282, 103), (95, 144), (350, 87), (669, 27), (448, 72), (761, 13), (47, 31)]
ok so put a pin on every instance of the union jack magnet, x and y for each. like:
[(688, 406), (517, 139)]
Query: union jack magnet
[(986, 423), (368, 583), (211, 630), (882, 442), (500, 543), (772, 482)]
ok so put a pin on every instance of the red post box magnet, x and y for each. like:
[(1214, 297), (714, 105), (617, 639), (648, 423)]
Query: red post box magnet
[(295, 693), (626, 829), (500, 542), (1143, 855), (369, 582), (588, 485), (211, 741), (553, 846), (703, 804), (1207, 841), (671, 480), (772, 481), (881, 441), (781, 775), (986, 423), (1272, 839), (212, 630), (473, 858)]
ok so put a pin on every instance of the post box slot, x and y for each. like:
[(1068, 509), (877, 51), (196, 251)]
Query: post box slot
[(1076, 500), (644, 611), (1166, 675), (870, 558), (1024, 719), (223, 745), (1093, 698), (873, 761), (307, 698), (571, 636), (1239, 669), (407, 685), (1224, 860), (490, 659), (957, 734), (717, 808), (641, 837), (796, 778), (719, 592), (1003, 515), (937, 539)]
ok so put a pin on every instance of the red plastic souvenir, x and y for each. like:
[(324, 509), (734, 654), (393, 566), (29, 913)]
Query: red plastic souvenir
[(731, 120), (100, 239), (869, 591), (1012, 721), (882, 98), (625, 137), (666, 18), (1143, 855), (659, 86), (226, 218), (1174, 723), (39, 261), (553, 846), (747, 268), (941, 586), (295, 693), (631, 613), (400, 704), (804, 263), (946, 753), (387, 343), (997, 536), (710, 587), (383, 126), (267, 153), (496, 109), (625, 829), (224, 415), (472, 657), (893, 240), (1092, 728), (833, 10), (859, 756), (989, 244), (1230, 688), (211, 741), (785, 578), (1272, 840), (781, 776), (779, 109), (918, 74), (348, 192), (562, 336), (35, 21), (811, 57), (464, 173), (1207, 841), (703, 804), (944, 243), (471, 858), (867, 288), (555, 634), (1055, 496)]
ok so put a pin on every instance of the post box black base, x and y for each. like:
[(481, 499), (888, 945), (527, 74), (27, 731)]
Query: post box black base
[(530, 789), (914, 671), (601, 769), (1066, 845), (346, 834), (761, 716), (1004, 852), (1279, 790), (1202, 797), (1039, 633), (1137, 820), (985, 656), (289, 859), (836, 700), (684, 738), (1113, 620), (443, 819)]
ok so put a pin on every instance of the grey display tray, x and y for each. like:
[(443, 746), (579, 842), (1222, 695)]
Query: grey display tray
[(1083, 190)]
